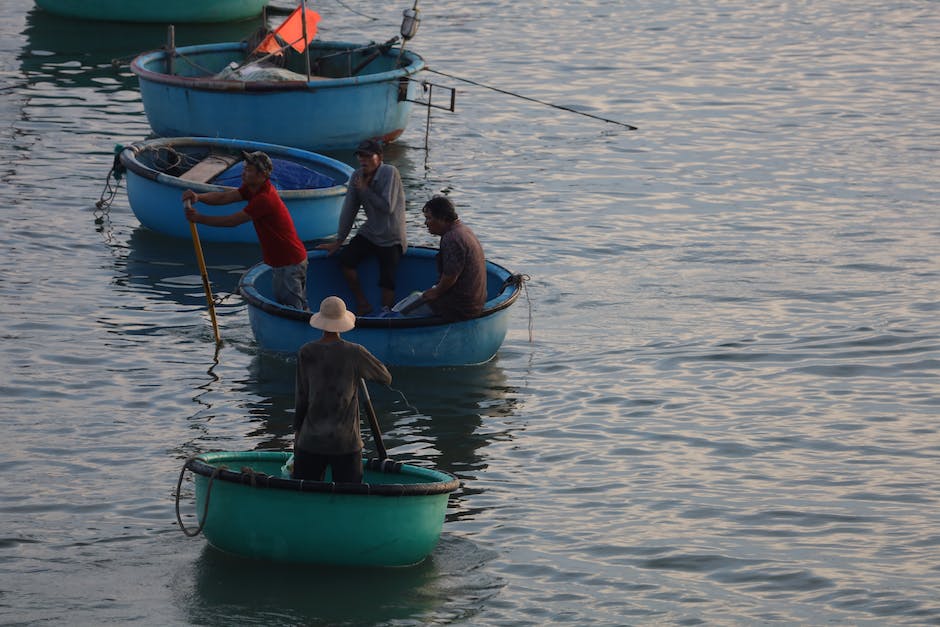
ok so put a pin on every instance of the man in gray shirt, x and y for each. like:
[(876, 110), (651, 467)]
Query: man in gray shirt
[(375, 187)]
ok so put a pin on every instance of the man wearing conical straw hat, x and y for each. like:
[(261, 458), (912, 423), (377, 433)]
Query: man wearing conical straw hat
[(326, 418)]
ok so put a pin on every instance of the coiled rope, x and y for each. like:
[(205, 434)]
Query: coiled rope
[(205, 509), (110, 190)]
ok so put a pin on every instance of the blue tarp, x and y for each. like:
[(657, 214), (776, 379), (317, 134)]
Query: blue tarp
[(286, 175)]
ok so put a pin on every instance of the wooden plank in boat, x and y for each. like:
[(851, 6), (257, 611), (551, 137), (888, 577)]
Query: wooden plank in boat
[(210, 167)]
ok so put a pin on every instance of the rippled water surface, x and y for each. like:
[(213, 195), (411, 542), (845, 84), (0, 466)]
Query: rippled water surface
[(717, 404)]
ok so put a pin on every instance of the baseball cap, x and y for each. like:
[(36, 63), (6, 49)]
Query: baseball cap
[(369, 147)]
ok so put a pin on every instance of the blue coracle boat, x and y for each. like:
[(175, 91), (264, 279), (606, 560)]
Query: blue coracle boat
[(396, 341), (158, 171), (356, 92), (246, 505), (163, 11)]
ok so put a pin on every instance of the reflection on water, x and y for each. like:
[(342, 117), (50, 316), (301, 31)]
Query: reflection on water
[(166, 268), (223, 589), (245, 590), (74, 52), (438, 413), (430, 416), (729, 412)]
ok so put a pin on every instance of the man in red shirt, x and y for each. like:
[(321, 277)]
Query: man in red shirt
[(281, 248)]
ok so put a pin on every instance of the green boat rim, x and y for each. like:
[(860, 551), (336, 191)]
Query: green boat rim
[(212, 465)]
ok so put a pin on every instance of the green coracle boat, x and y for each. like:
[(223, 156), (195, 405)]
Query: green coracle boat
[(246, 506), (164, 11)]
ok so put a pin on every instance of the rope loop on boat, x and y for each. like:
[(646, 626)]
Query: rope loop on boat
[(251, 476), (165, 158), (110, 190), (205, 509), (519, 281)]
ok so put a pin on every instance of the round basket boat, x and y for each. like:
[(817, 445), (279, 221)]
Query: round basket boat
[(396, 341), (246, 506), (166, 11), (312, 186), (359, 91)]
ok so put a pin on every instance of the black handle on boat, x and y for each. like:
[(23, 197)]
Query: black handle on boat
[(373, 421)]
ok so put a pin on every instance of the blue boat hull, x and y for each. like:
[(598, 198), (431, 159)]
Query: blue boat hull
[(164, 11), (155, 195), (407, 341), (326, 113)]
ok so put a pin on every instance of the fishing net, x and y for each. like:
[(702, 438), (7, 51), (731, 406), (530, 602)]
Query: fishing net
[(287, 175)]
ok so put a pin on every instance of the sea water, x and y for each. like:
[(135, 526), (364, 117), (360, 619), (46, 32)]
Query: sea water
[(717, 402)]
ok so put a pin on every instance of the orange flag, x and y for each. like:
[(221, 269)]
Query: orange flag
[(291, 32)]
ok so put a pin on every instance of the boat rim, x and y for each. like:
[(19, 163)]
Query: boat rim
[(415, 64), (205, 468), (129, 159), (246, 287)]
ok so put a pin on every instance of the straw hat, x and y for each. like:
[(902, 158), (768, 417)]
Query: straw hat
[(333, 316)]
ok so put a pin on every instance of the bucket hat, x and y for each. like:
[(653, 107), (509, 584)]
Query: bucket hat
[(333, 316)]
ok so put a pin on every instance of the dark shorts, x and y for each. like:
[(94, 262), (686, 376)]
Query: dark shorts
[(359, 248), (346, 468)]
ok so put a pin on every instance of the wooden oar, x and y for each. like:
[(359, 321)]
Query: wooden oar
[(205, 277), (373, 422)]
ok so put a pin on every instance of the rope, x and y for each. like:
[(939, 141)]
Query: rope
[(404, 399), (205, 509), (542, 102), (122, 61), (103, 206), (206, 71), (166, 158), (520, 280), (252, 475), (346, 6), (279, 11), (219, 301)]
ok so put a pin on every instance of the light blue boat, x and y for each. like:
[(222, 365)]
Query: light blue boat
[(247, 506), (396, 341), (354, 93), (159, 171), (163, 11)]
